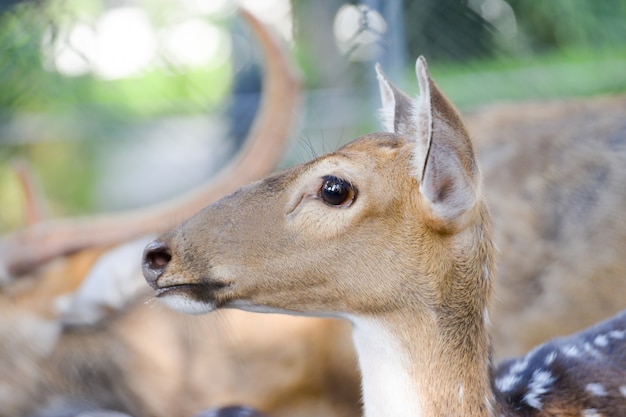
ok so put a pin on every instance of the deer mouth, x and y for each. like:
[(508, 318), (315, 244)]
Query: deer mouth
[(173, 289), (194, 298)]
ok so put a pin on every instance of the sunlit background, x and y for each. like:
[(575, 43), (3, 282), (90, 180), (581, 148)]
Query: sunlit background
[(116, 104)]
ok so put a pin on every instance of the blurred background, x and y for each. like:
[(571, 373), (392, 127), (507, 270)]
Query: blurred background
[(115, 104)]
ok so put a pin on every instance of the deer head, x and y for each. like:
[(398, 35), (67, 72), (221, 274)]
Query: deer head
[(390, 232), (384, 205)]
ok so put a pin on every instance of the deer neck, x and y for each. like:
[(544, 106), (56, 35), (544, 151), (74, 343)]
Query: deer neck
[(429, 362), (403, 375)]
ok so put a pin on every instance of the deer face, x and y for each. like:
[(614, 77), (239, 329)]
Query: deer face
[(363, 230), (295, 241)]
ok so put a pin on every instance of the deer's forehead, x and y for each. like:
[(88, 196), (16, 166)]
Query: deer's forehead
[(375, 143), (367, 161), (376, 153)]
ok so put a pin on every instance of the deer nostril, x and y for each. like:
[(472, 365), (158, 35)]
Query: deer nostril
[(159, 259), (156, 256)]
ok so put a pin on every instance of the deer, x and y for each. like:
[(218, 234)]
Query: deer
[(392, 233), (55, 259)]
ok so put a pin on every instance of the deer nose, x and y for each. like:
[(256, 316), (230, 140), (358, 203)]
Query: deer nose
[(156, 256)]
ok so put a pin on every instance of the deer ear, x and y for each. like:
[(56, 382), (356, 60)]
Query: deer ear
[(407, 117), (443, 156), (397, 108)]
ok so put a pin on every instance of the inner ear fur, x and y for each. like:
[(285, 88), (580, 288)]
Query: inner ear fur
[(397, 111), (443, 156), (450, 174)]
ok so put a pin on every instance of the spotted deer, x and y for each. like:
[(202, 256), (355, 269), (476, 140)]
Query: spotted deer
[(392, 233)]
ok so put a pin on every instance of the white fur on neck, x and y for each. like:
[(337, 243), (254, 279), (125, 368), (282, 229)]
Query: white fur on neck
[(388, 388)]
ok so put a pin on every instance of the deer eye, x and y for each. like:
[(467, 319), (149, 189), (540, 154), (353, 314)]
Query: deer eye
[(337, 192)]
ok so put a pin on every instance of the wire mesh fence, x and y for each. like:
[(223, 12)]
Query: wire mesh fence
[(98, 95)]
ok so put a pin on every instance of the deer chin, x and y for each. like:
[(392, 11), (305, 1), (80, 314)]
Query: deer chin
[(182, 303), (195, 298), (250, 306)]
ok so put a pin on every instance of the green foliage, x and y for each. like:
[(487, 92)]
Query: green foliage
[(20, 57), (64, 121), (29, 84), (573, 73), (562, 24), (446, 30), (557, 48)]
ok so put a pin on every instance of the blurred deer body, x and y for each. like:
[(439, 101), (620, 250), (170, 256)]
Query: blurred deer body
[(554, 179), (167, 365), (392, 233)]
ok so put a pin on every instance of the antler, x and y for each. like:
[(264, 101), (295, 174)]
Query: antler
[(35, 212), (26, 249)]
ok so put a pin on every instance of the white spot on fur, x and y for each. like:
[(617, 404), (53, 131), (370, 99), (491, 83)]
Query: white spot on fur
[(537, 387), (461, 391), (617, 334), (507, 382), (513, 377), (601, 340), (550, 358), (571, 351), (622, 390), (592, 351), (519, 366), (596, 389), (591, 412), (486, 273)]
